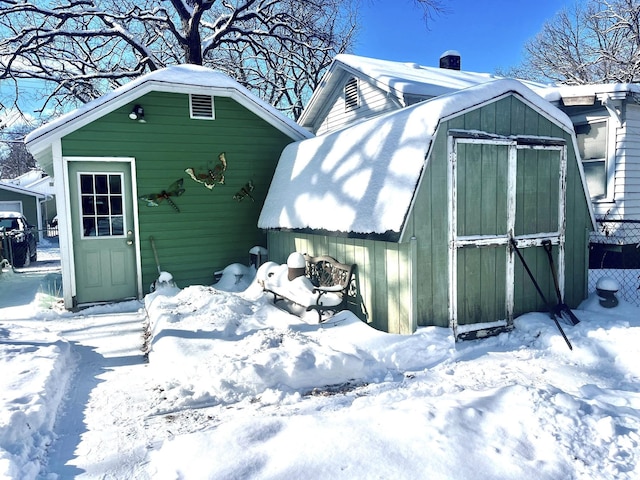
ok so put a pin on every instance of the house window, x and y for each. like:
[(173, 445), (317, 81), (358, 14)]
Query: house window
[(351, 95), (592, 144), (201, 107), (101, 204)]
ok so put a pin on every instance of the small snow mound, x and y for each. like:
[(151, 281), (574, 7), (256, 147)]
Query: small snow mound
[(607, 284), (165, 277)]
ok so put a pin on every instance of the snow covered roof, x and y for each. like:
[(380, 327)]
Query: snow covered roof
[(22, 190), (555, 93), (362, 179), (193, 79), (400, 78)]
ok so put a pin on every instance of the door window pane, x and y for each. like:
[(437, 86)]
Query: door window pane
[(101, 184), (101, 203), (86, 183)]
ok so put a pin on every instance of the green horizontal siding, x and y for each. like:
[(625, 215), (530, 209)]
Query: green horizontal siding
[(212, 229)]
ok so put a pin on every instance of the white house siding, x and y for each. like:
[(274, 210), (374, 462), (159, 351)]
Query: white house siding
[(627, 189), (625, 201), (624, 204), (373, 102)]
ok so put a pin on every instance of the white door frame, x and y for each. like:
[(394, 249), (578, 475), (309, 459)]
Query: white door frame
[(65, 220), (524, 241)]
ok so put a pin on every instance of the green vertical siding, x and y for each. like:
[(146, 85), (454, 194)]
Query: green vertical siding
[(212, 229), (384, 273)]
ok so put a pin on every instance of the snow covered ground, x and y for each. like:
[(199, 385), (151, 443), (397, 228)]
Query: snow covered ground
[(236, 389)]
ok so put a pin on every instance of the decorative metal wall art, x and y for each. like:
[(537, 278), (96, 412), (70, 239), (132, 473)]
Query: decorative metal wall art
[(213, 175), (245, 192), (175, 190)]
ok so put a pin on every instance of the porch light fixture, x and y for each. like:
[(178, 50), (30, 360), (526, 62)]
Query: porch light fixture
[(137, 114)]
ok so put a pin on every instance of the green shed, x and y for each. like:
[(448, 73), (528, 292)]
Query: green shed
[(184, 155), (425, 201)]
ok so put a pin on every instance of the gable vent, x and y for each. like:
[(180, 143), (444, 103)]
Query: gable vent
[(351, 97), (202, 107)]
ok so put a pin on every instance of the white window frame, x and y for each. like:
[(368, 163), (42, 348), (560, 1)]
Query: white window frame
[(609, 155), (79, 193)]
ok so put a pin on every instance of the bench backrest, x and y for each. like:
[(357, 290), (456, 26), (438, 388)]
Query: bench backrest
[(326, 271)]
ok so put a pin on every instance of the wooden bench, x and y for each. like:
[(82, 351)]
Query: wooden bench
[(331, 280)]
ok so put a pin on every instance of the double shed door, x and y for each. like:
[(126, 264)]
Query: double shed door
[(502, 188)]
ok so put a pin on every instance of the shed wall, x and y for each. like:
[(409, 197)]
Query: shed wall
[(428, 221), (212, 229), (383, 277)]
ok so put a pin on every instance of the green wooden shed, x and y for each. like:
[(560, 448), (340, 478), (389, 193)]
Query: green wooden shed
[(184, 155), (425, 201)]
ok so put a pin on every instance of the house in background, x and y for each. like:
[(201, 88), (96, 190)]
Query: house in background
[(26, 201), (425, 200), (356, 88), (38, 181), (606, 119), (184, 155)]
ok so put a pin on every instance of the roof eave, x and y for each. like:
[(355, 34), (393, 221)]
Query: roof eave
[(38, 143)]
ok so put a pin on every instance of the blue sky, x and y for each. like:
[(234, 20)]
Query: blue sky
[(489, 34)]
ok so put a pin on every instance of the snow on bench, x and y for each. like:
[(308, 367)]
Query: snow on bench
[(320, 284)]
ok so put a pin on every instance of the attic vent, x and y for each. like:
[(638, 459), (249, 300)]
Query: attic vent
[(351, 97), (202, 107)]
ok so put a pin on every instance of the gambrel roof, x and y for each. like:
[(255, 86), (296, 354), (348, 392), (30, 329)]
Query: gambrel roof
[(362, 179)]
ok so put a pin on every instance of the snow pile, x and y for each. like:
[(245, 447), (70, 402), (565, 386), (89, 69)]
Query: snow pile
[(36, 368), (212, 347), (237, 388), (341, 400)]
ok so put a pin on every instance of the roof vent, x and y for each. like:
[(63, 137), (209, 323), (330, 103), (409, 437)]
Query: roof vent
[(450, 60), (202, 107), (351, 97)]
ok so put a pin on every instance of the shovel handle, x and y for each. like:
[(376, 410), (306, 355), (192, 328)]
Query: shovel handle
[(554, 273), (155, 253)]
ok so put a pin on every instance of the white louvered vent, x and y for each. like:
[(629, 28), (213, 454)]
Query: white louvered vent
[(202, 107), (351, 96)]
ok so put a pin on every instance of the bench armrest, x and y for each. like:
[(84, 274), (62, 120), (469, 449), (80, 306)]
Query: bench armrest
[(331, 288)]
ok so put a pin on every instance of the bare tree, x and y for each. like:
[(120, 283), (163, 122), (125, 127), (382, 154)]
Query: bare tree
[(82, 48), (15, 160), (593, 42)]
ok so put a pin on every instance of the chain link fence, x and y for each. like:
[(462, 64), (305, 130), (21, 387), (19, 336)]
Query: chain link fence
[(614, 251)]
